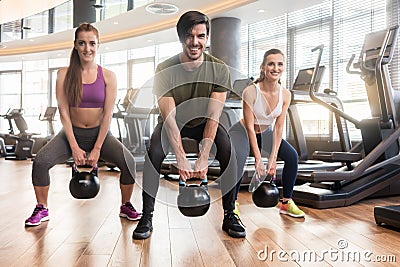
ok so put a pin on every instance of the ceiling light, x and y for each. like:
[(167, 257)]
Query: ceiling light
[(261, 11), (162, 8)]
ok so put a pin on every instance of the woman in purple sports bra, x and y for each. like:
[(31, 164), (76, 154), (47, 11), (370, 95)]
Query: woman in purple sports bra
[(265, 103), (86, 95)]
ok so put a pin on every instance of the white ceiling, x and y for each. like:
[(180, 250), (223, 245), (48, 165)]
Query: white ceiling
[(11, 10), (135, 28)]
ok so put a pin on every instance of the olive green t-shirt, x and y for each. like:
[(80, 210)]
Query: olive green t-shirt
[(191, 90)]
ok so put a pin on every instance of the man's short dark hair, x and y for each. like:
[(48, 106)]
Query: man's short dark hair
[(188, 20)]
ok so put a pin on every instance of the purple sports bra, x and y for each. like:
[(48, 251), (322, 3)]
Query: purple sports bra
[(94, 94)]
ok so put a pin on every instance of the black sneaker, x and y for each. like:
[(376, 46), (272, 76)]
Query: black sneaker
[(233, 226), (144, 227)]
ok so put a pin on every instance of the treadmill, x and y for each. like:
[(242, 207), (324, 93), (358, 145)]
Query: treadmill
[(387, 215), (230, 115), (377, 173), (300, 95)]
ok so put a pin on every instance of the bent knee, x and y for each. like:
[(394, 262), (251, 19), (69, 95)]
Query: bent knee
[(127, 180)]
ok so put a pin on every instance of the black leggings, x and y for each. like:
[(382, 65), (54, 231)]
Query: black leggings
[(58, 151), (159, 148), (286, 152)]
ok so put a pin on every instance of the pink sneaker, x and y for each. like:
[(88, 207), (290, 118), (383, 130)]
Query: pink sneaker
[(39, 215), (129, 212)]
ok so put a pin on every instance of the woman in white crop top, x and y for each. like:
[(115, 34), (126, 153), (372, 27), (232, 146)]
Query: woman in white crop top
[(265, 103)]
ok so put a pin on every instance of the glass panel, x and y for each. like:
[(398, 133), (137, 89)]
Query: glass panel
[(10, 83), (53, 100), (63, 19), (314, 119), (35, 82), (116, 62), (365, 16), (114, 8), (10, 95), (263, 36), (35, 94), (58, 62), (11, 31), (139, 3), (120, 72), (36, 25), (53, 79), (392, 9), (148, 51), (32, 109), (142, 73), (10, 65), (304, 41), (167, 50)]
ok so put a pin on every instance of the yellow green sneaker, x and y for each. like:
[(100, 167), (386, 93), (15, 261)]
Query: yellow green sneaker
[(236, 210), (291, 209)]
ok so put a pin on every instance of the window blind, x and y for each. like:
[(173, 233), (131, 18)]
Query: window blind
[(393, 19), (341, 26), (308, 28), (11, 31), (263, 36), (244, 50), (63, 16), (352, 20)]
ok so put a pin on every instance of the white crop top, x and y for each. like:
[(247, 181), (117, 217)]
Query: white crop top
[(260, 116)]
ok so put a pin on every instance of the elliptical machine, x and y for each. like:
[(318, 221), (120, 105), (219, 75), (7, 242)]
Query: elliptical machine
[(17, 146), (376, 173), (2, 148), (47, 116)]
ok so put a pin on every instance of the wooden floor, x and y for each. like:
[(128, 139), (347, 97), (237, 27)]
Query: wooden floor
[(90, 232)]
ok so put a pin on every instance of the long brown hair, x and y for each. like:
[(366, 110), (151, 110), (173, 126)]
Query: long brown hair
[(73, 77), (273, 51)]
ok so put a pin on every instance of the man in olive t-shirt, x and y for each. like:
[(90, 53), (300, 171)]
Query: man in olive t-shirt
[(191, 91)]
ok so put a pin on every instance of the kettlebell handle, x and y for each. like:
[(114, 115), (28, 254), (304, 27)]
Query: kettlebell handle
[(75, 170), (272, 180), (203, 182)]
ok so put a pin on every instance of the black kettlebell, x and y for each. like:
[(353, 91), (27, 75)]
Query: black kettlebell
[(193, 199), (266, 195), (84, 185)]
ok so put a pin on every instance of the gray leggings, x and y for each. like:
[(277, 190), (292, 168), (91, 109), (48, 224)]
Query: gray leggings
[(58, 151)]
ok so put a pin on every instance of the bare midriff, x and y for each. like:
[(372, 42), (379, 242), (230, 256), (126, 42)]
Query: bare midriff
[(257, 127), (86, 117)]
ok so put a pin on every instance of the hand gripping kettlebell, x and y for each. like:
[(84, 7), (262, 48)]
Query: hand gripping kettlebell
[(266, 195), (84, 185), (193, 199)]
